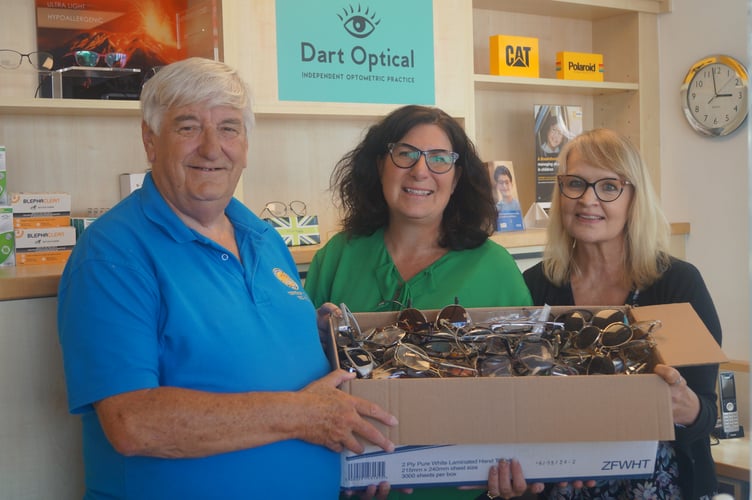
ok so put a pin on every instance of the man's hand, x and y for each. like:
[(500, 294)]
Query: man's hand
[(335, 419)]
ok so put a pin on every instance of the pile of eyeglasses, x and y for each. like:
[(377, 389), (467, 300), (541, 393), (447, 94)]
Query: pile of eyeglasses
[(527, 342)]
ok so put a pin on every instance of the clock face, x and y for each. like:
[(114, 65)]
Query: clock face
[(714, 95)]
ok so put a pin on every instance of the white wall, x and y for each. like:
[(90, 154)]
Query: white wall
[(704, 181)]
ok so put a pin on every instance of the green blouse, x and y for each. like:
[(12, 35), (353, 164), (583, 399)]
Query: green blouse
[(360, 273)]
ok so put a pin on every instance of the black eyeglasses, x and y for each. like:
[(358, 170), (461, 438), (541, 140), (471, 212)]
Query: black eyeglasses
[(280, 209), (11, 59), (606, 190), (439, 161)]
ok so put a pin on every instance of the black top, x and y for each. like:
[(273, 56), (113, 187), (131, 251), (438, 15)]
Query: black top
[(681, 282)]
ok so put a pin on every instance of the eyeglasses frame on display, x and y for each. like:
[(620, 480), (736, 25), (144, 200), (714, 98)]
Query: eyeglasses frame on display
[(40, 67), (112, 59), (280, 208)]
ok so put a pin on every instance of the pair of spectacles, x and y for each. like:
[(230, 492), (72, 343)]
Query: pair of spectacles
[(576, 319), (280, 209), (439, 161), (90, 58), (358, 360), (607, 189), (11, 59)]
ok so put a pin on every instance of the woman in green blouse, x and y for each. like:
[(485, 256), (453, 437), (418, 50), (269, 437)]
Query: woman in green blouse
[(418, 211)]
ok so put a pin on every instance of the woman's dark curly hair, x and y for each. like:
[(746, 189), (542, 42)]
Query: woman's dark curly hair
[(469, 217)]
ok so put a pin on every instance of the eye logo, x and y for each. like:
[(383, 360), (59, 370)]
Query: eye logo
[(357, 24)]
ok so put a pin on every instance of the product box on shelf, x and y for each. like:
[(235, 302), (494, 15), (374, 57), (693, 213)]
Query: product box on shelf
[(51, 245), (81, 223), (40, 210), (514, 56), (559, 427), (130, 182), (579, 66), (7, 238)]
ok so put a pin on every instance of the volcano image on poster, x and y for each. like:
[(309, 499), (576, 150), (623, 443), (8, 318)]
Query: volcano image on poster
[(151, 33)]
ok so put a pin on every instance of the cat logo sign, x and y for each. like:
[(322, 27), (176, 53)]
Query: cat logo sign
[(514, 56)]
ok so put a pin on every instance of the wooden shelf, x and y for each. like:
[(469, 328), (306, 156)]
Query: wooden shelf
[(68, 107), (575, 9), (511, 83)]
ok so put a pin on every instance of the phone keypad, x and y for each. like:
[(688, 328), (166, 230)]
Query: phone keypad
[(730, 417)]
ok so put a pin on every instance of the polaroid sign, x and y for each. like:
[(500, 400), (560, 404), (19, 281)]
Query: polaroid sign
[(330, 53), (579, 66)]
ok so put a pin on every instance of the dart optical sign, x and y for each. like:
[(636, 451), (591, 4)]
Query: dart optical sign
[(378, 51)]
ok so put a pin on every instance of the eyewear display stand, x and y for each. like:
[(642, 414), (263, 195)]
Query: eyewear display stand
[(59, 76)]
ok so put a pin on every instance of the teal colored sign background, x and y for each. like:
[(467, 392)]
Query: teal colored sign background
[(378, 51)]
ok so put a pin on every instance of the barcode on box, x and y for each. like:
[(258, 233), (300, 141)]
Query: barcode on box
[(367, 470)]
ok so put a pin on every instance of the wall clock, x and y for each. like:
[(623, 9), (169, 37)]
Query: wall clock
[(714, 95)]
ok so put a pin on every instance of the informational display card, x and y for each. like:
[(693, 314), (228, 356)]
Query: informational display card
[(508, 208), (554, 126), (366, 52)]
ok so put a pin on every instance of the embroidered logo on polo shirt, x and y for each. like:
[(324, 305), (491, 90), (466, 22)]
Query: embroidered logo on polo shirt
[(285, 279)]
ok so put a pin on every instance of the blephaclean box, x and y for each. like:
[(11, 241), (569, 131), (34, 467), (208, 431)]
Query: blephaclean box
[(514, 56), (51, 245), (447, 426), (579, 66), (40, 210), (7, 238)]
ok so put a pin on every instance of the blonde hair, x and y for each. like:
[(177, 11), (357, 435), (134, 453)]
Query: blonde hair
[(191, 81), (646, 231)]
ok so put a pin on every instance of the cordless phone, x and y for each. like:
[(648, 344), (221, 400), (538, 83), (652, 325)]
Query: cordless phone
[(729, 418)]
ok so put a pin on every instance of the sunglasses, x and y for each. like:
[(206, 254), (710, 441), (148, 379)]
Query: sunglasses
[(576, 319), (453, 316), (358, 360), (348, 329)]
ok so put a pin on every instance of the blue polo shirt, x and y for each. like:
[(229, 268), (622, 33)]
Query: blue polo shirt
[(145, 301)]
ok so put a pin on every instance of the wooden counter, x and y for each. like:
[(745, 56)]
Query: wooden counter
[(732, 458), (26, 282)]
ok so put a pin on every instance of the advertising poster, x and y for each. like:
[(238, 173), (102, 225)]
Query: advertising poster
[(107, 35), (554, 126), (508, 208), (365, 52)]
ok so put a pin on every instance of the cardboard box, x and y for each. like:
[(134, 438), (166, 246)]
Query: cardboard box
[(44, 246), (579, 66), (81, 223), (53, 238), (130, 182), (42, 257), (539, 420), (514, 56), (40, 210), (43, 222), (40, 204)]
